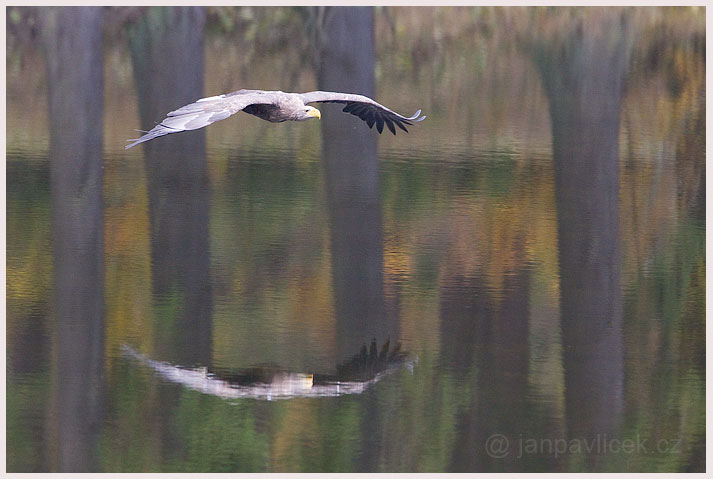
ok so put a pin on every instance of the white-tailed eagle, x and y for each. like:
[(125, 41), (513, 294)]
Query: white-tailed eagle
[(275, 106)]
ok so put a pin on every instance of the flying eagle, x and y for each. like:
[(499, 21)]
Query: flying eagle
[(275, 106)]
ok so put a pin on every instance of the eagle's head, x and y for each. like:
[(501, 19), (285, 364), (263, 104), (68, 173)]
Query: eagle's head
[(309, 112)]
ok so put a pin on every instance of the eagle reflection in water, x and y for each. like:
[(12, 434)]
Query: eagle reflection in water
[(352, 376)]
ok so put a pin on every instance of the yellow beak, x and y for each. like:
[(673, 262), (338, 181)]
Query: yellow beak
[(315, 113)]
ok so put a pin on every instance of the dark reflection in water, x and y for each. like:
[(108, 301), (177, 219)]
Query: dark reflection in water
[(73, 42), (583, 75), (486, 338), (167, 55)]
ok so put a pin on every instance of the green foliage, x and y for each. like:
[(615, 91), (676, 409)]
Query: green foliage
[(218, 436)]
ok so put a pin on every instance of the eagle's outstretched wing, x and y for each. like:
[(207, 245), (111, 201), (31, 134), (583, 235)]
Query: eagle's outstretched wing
[(365, 108), (204, 112)]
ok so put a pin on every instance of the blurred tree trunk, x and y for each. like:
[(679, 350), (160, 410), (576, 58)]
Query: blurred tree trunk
[(583, 70), (166, 47), (73, 41), (351, 168)]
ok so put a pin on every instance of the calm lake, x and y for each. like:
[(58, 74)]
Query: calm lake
[(517, 284)]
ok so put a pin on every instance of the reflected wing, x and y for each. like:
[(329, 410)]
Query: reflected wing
[(204, 112), (365, 108)]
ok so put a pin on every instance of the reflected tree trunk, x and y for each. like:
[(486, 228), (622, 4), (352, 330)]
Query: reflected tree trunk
[(167, 55), (351, 166), (583, 74), (73, 43), (29, 331)]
